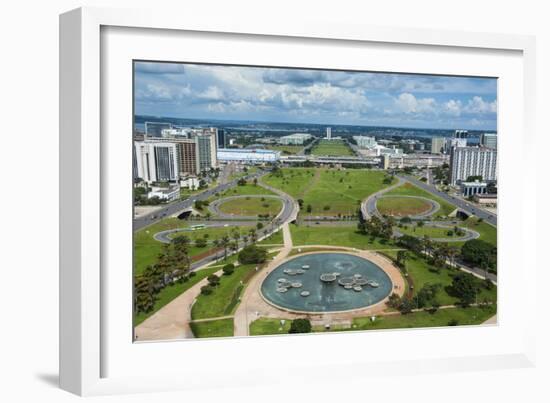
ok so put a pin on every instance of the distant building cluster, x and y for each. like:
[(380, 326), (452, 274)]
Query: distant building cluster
[(251, 156), (295, 139), (365, 141), (168, 154)]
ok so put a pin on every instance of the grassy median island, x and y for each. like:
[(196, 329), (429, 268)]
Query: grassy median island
[(335, 148), (251, 206), (147, 248), (213, 328), (225, 297), (328, 192), (487, 232), (248, 189), (402, 206), (336, 235), (408, 189)]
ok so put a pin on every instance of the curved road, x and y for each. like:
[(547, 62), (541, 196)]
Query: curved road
[(469, 234), (368, 206)]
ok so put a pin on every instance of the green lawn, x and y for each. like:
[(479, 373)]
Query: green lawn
[(432, 232), (265, 326), (147, 249), (224, 299), (213, 328), (328, 191), (402, 206), (248, 189), (169, 293), (335, 148), (422, 273), (487, 232), (409, 189), (464, 316), (273, 239), (334, 235), (251, 206), (286, 149)]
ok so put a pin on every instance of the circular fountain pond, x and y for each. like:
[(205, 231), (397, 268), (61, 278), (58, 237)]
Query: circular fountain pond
[(326, 282)]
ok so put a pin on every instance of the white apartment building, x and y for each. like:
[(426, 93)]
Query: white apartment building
[(473, 161), (438, 145), (156, 161), (488, 140), (454, 142), (329, 133)]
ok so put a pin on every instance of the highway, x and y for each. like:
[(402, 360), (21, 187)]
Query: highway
[(460, 203), (180, 205)]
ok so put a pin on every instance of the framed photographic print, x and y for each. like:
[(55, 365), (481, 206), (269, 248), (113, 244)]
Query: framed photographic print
[(232, 196)]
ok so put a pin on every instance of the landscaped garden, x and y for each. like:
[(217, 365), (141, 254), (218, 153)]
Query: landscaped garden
[(408, 189)]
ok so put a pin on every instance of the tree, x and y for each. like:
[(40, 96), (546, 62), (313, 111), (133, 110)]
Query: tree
[(213, 280), (207, 290), (255, 181), (252, 254), (228, 269), (200, 242), (224, 243), (402, 257), (300, 202), (309, 208), (259, 226), (465, 288), (480, 253), (241, 182), (300, 326)]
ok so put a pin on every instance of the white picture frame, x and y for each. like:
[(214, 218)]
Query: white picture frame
[(89, 353)]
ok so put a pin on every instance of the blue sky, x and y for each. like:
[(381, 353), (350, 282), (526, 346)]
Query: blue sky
[(314, 96)]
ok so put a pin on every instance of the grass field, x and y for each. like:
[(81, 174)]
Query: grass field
[(329, 192), (402, 206), (146, 248), (225, 298), (285, 149), (432, 232), (335, 235), (422, 273), (168, 294), (264, 326), (486, 231), (251, 206), (248, 189), (335, 148), (409, 189), (273, 239), (213, 328)]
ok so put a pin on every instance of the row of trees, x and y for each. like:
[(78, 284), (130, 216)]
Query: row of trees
[(172, 265), (377, 227)]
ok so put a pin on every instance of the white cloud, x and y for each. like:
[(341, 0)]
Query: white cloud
[(453, 107), (408, 103), (478, 105)]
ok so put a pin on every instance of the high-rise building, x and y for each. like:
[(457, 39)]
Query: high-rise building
[(207, 149), (154, 129), (220, 135), (156, 161), (438, 145), (488, 140), (461, 134), (188, 162), (454, 142), (473, 161), (329, 132)]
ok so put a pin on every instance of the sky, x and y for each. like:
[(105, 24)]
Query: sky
[(196, 91)]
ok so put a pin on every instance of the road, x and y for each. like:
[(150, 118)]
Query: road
[(460, 203), (177, 206)]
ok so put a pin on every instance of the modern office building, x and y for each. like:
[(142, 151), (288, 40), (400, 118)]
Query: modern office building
[(473, 188), (438, 145), (156, 161), (488, 140), (168, 194), (220, 135), (154, 129), (188, 161), (365, 141), (329, 133), (207, 149), (295, 139), (248, 156), (461, 134), (473, 161)]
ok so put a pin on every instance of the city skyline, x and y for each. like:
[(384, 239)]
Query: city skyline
[(285, 95)]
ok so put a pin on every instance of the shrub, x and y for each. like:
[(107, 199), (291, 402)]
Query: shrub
[(213, 280), (452, 322), (207, 290), (300, 326), (252, 254)]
